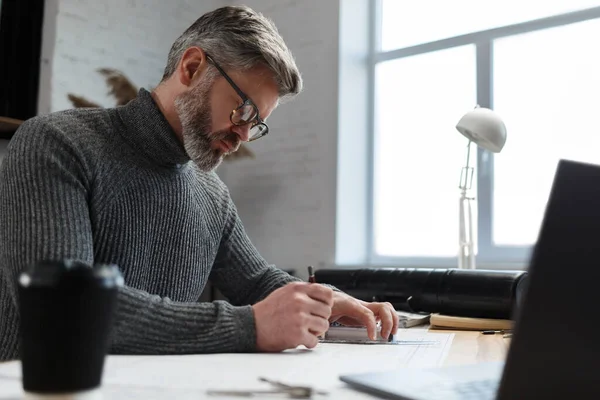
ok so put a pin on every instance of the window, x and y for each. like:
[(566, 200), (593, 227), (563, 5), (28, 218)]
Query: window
[(414, 149), (550, 98), (406, 23), (534, 63)]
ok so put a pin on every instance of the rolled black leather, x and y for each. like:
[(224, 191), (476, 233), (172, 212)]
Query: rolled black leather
[(467, 293)]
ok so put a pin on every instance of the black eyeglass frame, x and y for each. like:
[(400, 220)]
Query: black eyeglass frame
[(245, 102)]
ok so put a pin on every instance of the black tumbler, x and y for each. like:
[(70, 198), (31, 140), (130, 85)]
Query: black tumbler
[(66, 311)]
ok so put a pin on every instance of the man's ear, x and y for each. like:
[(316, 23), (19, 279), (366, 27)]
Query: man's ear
[(192, 65)]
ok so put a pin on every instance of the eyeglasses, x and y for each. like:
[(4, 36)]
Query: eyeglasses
[(247, 112)]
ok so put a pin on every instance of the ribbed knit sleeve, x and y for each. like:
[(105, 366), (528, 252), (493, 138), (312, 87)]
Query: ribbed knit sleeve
[(45, 187), (149, 324), (240, 272), (43, 214)]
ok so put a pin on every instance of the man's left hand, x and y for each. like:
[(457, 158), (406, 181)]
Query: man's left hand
[(353, 312)]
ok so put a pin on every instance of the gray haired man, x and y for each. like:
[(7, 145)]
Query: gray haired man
[(135, 186)]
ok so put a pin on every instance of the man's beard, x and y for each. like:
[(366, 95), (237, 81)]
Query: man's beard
[(194, 112)]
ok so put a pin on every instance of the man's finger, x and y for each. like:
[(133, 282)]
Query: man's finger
[(317, 325), (387, 321), (319, 309), (310, 340), (369, 320), (320, 293), (365, 317), (395, 318)]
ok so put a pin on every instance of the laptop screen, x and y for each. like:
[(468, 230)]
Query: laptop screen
[(554, 353)]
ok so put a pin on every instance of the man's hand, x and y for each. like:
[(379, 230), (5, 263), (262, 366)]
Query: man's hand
[(295, 314), (353, 312)]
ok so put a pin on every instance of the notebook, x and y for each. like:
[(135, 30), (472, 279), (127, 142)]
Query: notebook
[(408, 319), (440, 321)]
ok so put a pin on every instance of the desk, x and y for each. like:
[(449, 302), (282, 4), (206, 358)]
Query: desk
[(188, 377), (473, 348)]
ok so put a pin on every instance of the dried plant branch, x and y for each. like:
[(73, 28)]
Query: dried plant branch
[(121, 88), (79, 101)]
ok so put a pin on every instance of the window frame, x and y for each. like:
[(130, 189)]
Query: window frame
[(489, 255)]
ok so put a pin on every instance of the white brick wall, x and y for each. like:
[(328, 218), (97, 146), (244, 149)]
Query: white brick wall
[(133, 36), (286, 196)]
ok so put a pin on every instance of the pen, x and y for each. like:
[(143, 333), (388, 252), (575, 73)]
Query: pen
[(493, 332), (311, 274)]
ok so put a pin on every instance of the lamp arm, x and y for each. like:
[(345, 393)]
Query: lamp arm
[(466, 255)]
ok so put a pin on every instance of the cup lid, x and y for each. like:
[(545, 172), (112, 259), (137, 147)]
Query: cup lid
[(48, 273)]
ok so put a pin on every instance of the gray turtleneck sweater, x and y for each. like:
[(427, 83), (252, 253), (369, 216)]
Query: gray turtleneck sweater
[(116, 186)]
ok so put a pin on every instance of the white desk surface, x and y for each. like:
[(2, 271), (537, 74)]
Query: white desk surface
[(190, 376)]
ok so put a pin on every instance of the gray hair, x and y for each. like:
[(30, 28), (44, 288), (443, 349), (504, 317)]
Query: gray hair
[(239, 38)]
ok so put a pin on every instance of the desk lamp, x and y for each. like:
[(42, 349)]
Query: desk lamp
[(486, 129)]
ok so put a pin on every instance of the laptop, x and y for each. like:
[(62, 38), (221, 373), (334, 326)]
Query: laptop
[(555, 350)]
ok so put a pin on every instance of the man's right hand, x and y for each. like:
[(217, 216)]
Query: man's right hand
[(295, 314)]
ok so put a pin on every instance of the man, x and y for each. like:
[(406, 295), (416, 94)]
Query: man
[(134, 186)]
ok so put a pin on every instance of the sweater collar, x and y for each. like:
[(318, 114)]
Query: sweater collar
[(149, 131)]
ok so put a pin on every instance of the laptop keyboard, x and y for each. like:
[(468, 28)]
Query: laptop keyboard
[(476, 390)]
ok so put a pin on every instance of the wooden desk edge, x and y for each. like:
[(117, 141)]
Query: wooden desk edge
[(472, 347)]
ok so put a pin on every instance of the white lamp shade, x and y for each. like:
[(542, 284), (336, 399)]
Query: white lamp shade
[(483, 127)]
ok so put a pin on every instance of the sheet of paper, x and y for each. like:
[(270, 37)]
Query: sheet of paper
[(319, 367), (10, 381), (11, 369), (183, 377)]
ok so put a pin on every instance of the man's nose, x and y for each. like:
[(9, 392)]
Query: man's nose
[(242, 131)]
